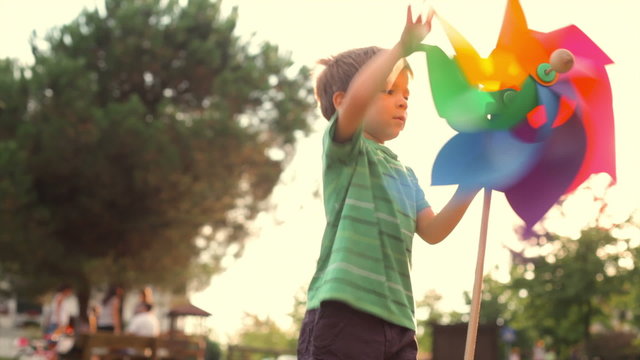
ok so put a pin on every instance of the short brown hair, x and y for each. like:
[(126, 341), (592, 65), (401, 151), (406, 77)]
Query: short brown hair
[(339, 71), (337, 74)]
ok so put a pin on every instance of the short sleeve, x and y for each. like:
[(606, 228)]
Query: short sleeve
[(421, 201), (342, 152), (133, 325), (74, 307)]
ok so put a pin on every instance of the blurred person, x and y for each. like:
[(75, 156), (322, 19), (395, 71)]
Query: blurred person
[(144, 323), (92, 316), (110, 316), (515, 354), (62, 310), (146, 297), (539, 352)]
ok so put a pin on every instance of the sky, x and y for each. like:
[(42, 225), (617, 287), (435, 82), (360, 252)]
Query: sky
[(280, 256)]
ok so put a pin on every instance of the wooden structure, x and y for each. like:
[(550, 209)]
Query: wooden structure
[(239, 352), (188, 347), (449, 342), (109, 346), (183, 311)]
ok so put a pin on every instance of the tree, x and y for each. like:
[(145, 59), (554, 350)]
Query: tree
[(264, 332), (494, 303), (22, 220), (213, 351), (424, 334), (571, 285), (572, 291), (139, 145), (298, 312), (263, 335)]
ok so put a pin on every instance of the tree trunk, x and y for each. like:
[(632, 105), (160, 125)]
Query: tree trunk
[(83, 292)]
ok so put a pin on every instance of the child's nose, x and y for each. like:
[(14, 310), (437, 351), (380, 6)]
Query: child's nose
[(402, 103)]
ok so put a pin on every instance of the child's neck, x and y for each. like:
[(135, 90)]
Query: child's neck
[(373, 138)]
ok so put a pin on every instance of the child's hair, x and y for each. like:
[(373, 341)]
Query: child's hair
[(338, 72)]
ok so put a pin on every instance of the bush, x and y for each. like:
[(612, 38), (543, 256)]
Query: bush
[(213, 351)]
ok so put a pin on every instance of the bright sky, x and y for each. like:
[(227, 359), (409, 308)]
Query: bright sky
[(280, 257)]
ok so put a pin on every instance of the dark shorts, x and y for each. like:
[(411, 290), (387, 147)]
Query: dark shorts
[(338, 331)]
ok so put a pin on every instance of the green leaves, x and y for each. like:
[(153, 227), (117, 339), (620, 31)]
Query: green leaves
[(265, 333), (571, 286)]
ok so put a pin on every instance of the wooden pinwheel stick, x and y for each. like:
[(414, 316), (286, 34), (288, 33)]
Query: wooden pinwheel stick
[(472, 330)]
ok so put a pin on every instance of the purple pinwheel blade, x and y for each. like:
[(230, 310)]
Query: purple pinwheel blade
[(562, 155)]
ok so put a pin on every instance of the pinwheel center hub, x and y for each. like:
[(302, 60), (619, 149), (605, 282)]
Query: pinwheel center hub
[(560, 61)]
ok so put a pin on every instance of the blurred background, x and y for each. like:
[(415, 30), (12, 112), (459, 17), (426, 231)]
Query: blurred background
[(174, 147)]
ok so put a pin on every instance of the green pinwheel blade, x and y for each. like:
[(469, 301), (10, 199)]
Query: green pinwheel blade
[(463, 106), (467, 108), (511, 110)]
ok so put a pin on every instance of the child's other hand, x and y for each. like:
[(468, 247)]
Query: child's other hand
[(414, 32)]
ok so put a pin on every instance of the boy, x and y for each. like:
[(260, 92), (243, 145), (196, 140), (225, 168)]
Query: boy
[(360, 302)]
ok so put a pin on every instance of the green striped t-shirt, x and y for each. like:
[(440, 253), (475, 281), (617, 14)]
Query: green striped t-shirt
[(371, 201)]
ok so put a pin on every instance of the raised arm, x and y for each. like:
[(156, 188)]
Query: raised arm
[(434, 228), (117, 319), (371, 79)]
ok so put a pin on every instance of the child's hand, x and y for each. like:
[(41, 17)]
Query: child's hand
[(414, 32)]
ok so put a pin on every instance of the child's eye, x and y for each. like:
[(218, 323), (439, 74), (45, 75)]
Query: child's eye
[(392, 92)]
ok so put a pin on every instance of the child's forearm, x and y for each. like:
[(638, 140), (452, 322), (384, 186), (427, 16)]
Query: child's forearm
[(440, 226), (366, 84)]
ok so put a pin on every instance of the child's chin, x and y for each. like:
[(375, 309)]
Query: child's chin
[(393, 135)]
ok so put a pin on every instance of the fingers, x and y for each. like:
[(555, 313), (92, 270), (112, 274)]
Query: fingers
[(432, 12), (415, 31), (427, 23), (428, 18)]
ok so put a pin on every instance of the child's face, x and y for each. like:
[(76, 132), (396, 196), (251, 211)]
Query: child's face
[(387, 114)]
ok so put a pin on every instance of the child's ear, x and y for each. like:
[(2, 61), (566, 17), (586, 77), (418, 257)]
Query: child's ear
[(337, 99)]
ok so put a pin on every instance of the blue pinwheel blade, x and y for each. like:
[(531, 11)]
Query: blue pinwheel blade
[(490, 159)]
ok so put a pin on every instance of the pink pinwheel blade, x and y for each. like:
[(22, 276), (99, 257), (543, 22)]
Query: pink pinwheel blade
[(574, 40), (592, 90), (597, 119)]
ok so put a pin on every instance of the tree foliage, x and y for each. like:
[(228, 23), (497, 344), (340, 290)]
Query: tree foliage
[(140, 144), (265, 333), (576, 293), (492, 304), (424, 334), (571, 291), (569, 288)]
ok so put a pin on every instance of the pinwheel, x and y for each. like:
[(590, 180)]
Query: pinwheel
[(534, 120)]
